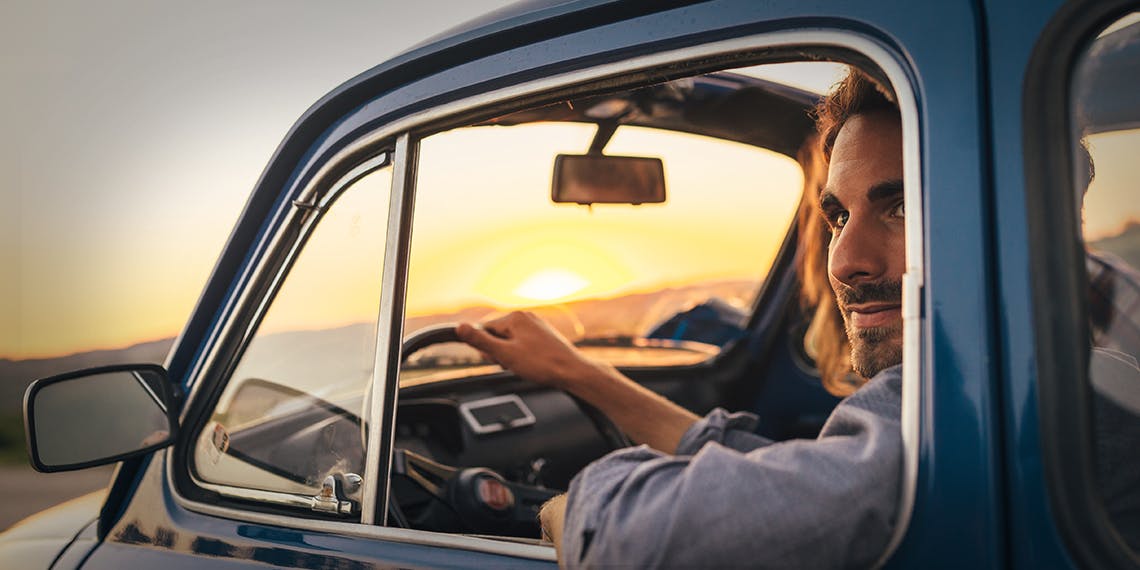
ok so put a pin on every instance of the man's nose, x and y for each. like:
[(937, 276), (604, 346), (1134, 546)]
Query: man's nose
[(858, 253)]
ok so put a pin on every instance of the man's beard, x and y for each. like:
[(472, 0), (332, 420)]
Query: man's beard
[(876, 348)]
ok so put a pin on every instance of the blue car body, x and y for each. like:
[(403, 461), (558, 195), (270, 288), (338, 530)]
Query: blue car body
[(982, 490)]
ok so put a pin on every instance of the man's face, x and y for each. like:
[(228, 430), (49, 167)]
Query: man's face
[(863, 205)]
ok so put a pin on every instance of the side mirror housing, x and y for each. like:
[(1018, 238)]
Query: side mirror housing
[(604, 179), (98, 416)]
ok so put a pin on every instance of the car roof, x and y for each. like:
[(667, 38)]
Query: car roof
[(552, 13), (724, 105)]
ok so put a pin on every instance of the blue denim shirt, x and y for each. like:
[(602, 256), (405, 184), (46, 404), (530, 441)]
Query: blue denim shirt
[(731, 498)]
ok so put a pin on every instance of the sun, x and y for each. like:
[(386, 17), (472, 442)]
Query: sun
[(551, 269), (551, 285)]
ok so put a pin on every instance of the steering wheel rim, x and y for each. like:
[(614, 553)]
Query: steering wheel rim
[(427, 336), (438, 334)]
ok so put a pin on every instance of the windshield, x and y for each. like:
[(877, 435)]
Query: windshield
[(661, 284)]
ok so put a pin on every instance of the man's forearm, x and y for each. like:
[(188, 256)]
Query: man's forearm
[(645, 416)]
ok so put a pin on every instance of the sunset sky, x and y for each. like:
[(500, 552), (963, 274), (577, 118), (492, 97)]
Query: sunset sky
[(131, 133), (480, 189)]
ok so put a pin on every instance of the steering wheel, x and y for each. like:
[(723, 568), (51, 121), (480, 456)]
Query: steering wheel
[(439, 334), (480, 497)]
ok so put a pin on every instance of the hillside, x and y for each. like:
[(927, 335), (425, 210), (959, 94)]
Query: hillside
[(15, 375), (629, 314)]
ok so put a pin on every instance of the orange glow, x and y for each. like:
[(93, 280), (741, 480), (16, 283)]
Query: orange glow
[(487, 234), (551, 269), (551, 285)]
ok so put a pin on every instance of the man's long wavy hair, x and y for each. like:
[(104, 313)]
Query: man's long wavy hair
[(825, 340)]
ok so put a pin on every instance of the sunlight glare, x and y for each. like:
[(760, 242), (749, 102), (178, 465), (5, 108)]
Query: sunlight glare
[(551, 285)]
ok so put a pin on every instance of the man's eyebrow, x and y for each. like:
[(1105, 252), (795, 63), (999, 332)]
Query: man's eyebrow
[(885, 190), (829, 201)]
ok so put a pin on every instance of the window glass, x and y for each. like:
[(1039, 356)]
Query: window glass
[(651, 284), (290, 414), (1106, 144)]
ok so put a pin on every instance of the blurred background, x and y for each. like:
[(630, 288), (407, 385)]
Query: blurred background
[(131, 133)]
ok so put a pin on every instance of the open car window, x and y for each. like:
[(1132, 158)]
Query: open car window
[(656, 284), (669, 283)]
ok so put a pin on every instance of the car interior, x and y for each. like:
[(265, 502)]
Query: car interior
[(653, 226)]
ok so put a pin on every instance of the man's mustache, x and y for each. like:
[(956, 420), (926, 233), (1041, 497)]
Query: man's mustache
[(880, 292)]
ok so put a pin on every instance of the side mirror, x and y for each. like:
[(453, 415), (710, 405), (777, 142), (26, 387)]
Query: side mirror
[(98, 416), (604, 179)]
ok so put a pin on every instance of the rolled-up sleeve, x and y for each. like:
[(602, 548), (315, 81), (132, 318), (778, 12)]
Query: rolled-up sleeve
[(732, 430), (828, 502)]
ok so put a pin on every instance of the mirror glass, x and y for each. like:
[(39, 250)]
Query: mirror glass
[(88, 419), (603, 179)]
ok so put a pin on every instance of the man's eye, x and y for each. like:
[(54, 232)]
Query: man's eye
[(839, 219), (899, 211)]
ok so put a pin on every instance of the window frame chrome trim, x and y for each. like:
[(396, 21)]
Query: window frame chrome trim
[(877, 52), (394, 281)]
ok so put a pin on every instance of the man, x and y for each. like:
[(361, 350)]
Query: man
[(709, 492)]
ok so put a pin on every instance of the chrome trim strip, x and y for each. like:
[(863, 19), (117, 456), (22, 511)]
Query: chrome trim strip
[(874, 50), (149, 391), (375, 491), (359, 171), (300, 502), (912, 294)]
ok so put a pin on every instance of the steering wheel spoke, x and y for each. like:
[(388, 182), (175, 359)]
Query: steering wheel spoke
[(481, 498), (433, 477)]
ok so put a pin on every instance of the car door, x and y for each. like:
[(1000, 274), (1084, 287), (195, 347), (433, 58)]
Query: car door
[(332, 505), (1064, 116)]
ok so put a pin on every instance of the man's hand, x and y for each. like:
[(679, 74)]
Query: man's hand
[(531, 348), (526, 345), (551, 517)]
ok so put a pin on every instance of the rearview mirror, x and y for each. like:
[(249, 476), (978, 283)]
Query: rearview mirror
[(98, 416), (604, 179)]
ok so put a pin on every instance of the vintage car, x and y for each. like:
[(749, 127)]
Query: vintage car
[(633, 172)]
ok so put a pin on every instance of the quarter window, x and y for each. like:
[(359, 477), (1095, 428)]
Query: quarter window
[(290, 415)]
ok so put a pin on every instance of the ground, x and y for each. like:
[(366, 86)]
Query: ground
[(27, 492)]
